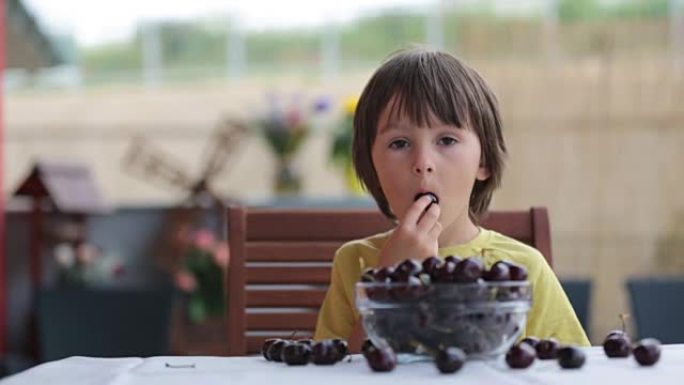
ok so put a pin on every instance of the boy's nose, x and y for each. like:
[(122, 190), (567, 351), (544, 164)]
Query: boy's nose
[(423, 165), (421, 169)]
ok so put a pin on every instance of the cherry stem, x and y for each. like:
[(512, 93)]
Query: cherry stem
[(623, 317)]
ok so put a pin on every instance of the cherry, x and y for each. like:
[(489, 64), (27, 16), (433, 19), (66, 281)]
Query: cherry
[(517, 272), (547, 349), (384, 274), (430, 264), (296, 353), (452, 258), (324, 353), (409, 267), (444, 272), (497, 273), (571, 357), (520, 356), (412, 288), (450, 360), (368, 275), (381, 360), (617, 345), (367, 346), (276, 349), (647, 352), (531, 340), (434, 197), (267, 344), (342, 348), (616, 333), (468, 270)]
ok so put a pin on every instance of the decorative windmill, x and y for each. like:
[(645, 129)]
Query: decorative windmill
[(151, 163)]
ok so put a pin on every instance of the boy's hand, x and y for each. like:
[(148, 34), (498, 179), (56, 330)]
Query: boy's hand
[(416, 235)]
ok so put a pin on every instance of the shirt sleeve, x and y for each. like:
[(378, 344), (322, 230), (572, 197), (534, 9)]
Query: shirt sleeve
[(552, 314), (337, 316)]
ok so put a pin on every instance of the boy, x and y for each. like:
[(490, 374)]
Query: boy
[(427, 123)]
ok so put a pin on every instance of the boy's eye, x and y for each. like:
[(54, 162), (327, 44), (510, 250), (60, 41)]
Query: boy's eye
[(447, 140), (398, 144)]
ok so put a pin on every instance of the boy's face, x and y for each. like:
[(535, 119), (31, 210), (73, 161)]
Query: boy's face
[(438, 158)]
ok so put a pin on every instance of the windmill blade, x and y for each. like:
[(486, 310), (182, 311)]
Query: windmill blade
[(222, 147), (150, 163)]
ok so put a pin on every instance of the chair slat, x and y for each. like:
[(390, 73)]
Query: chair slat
[(327, 225), (286, 298), (295, 275), (515, 224), (282, 321), (291, 251)]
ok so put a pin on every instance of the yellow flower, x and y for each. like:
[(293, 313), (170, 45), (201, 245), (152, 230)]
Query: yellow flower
[(350, 105)]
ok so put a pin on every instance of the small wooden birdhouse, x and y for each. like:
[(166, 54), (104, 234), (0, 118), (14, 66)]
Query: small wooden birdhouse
[(65, 188)]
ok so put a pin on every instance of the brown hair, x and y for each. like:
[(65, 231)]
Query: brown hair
[(420, 82)]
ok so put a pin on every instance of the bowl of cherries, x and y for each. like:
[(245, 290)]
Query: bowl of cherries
[(418, 309)]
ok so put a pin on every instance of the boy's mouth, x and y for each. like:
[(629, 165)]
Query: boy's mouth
[(432, 195)]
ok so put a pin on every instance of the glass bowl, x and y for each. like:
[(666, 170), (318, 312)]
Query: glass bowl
[(484, 319)]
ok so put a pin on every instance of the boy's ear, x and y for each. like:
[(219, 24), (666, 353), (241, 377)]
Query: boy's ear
[(483, 172)]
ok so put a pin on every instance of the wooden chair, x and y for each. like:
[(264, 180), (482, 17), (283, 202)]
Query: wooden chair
[(281, 260)]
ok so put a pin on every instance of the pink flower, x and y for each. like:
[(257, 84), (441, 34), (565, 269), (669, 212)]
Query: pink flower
[(186, 281), (222, 254), (204, 240)]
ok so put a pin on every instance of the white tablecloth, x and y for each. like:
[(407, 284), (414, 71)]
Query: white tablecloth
[(257, 371)]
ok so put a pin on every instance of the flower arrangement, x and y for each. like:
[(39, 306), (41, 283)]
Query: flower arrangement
[(285, 126), (201, 274), (341, 150)]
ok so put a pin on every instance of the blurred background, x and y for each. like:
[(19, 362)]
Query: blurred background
[(254, 99)]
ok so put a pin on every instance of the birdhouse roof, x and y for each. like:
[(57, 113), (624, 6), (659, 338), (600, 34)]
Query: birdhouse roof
[(70, 187)]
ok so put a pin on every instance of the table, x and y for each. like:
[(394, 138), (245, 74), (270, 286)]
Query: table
[(196, 370)]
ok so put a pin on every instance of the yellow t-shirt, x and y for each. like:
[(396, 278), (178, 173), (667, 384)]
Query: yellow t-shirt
[(551, 314)]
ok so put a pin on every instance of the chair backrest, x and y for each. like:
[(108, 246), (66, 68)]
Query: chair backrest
[(281, 261), (579, 294), (656, 308), (103, 322)]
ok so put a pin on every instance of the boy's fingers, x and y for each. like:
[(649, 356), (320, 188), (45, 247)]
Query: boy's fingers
[(429, 218), (414, 212)]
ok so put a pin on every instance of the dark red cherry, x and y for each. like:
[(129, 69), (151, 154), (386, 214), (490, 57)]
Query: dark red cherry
[(497, 273), (531, 340), (617, 345), (324, 353), (450, 360), (342, 348), (296, 353), (384, 274), (468, 270), (367, 346), (647, 352), (520, 356), (267, 344), (409, 267), (368, 276), (430, 264), (276, 349), (453, 259), (432, 196), (571, 357), (444, 273), (517, 272), (616, 332), (381, 359), (547, 349)]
